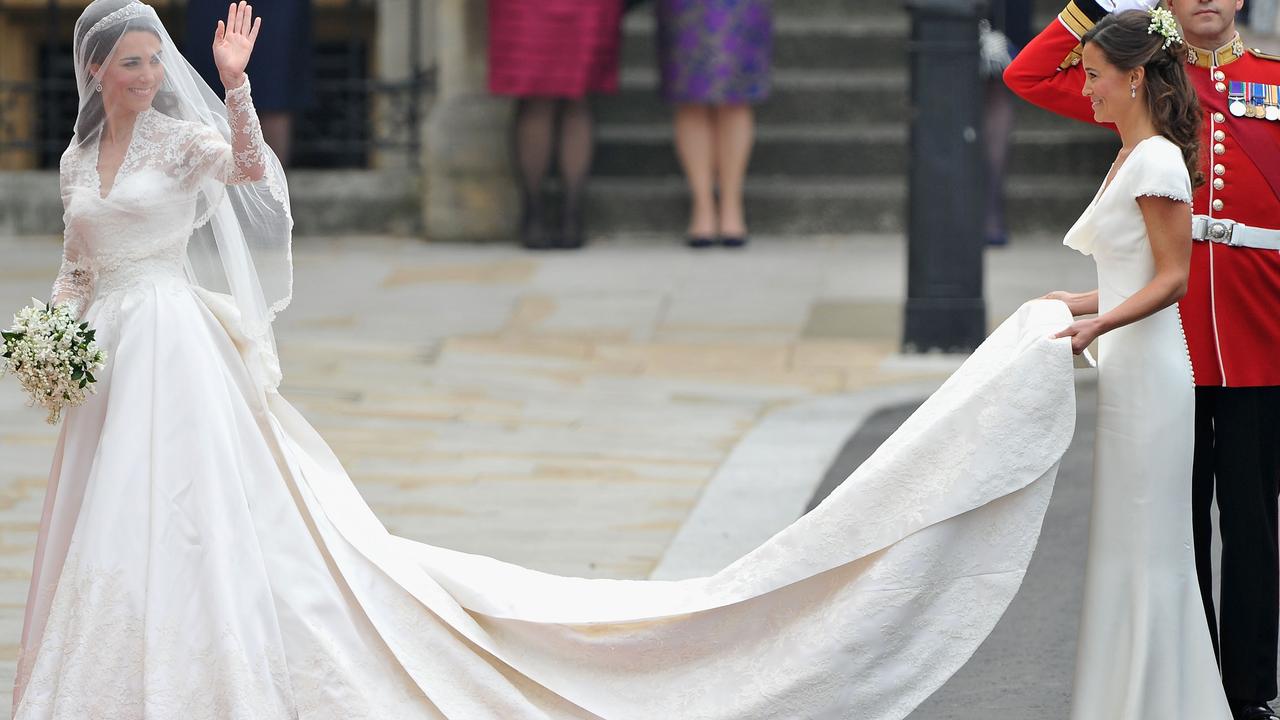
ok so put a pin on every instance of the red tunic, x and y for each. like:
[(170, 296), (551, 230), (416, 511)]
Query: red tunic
[(1231, 312), (554, 48)]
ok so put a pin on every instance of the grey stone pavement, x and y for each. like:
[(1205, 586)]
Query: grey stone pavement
[(633, 410)]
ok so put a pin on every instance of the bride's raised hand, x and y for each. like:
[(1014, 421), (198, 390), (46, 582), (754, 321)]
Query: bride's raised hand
[(233, 43)]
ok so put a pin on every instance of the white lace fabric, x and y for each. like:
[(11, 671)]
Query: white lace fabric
[(140, 229)]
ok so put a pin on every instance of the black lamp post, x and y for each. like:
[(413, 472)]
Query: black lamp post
[(945, 308)]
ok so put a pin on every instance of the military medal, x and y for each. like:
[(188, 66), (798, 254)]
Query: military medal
[(1258, 99), (1273, 103), (1236, 98)]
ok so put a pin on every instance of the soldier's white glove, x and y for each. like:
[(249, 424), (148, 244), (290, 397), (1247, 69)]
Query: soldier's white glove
[(1116, 6)]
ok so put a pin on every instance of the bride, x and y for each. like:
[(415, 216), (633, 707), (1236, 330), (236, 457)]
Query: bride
[(203, 556)]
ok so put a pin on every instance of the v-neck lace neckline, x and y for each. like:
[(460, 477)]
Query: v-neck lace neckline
[(124, 159)]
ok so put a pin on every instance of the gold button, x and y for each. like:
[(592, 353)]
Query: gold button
[(1219, 117), (1219, 169), (1220, 87), (1218, 184), (1217, 205), (1219, 148), (1219, 75), (1219, 135)]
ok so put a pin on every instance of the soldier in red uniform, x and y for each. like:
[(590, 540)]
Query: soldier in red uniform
[(1231, 314)]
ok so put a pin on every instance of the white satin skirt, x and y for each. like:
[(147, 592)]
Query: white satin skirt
[(203, 556)]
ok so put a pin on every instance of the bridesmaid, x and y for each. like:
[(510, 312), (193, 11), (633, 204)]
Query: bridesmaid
[(550, 55), (715, 63)]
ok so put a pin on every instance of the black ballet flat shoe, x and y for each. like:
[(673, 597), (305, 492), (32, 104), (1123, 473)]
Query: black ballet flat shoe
[(734, 241), (699, 243), (1259, 711)]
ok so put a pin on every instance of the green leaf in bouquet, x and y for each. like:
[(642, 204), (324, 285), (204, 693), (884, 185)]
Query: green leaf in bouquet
[(89, 376), (77, 373), (90, 335)]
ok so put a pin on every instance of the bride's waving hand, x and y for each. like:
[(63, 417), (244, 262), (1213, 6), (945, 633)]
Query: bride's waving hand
[(233, 43)]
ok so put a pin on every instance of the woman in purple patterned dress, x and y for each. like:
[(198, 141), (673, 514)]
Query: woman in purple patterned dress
[(715, 61)]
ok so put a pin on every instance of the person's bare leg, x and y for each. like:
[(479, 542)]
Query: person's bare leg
[(696, 148), (577, 142), (535, 135), (277, 130), (735, 136)]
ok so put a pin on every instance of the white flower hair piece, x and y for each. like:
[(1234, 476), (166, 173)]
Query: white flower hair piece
[(1164, 23)]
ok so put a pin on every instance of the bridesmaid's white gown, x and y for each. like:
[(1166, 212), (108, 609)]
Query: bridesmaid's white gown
[(203, 555), (1144, 649)]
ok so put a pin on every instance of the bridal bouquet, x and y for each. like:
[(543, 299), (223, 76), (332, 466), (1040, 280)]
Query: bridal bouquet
[(53, 357)]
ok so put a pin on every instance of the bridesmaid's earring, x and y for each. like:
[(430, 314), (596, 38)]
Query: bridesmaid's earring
[(1133, 90)]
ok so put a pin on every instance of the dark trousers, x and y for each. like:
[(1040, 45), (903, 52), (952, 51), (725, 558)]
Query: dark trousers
[(1237, 458)]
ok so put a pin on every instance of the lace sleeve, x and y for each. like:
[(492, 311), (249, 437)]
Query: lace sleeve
[(74, 284), (244, 159)]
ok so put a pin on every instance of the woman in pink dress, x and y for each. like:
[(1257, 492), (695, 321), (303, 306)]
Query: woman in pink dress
[(551, 55)]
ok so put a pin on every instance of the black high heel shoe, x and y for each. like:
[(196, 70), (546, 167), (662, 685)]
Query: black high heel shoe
[(734, 241), (699, 243), (573, 233), (533, 230)]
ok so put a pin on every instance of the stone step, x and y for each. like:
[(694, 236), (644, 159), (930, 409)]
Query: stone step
[(324, 202), (323, 206), (835, 8), (841, 150), (822, 205), (809, 43), (807, 96), (809, 8)]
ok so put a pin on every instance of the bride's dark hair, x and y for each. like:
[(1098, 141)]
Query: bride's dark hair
[(1126, 42)]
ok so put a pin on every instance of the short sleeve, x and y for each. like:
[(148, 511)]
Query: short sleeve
[(1162, 173)]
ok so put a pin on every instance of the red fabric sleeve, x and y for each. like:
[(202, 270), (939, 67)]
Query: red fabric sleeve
[(1036, 77)]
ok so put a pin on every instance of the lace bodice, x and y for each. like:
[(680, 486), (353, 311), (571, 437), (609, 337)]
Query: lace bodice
[(139, 227)]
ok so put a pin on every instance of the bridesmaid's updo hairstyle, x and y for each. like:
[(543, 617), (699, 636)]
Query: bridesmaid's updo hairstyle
[(1127, 42)]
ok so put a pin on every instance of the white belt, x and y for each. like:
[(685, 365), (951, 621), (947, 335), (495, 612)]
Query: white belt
[(1230, 232)]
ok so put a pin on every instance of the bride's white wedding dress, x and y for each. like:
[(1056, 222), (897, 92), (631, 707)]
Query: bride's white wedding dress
[(1144, 649), (203, 556)]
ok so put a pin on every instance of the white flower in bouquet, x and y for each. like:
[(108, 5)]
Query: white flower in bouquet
[(53, 357)]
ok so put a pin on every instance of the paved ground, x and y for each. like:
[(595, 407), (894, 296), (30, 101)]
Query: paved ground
[(577, 413)]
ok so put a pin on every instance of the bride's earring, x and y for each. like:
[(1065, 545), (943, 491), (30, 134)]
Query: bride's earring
[(1133, 90), (97, 87)]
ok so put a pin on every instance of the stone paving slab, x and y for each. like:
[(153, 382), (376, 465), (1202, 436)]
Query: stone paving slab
[(560, 411)]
